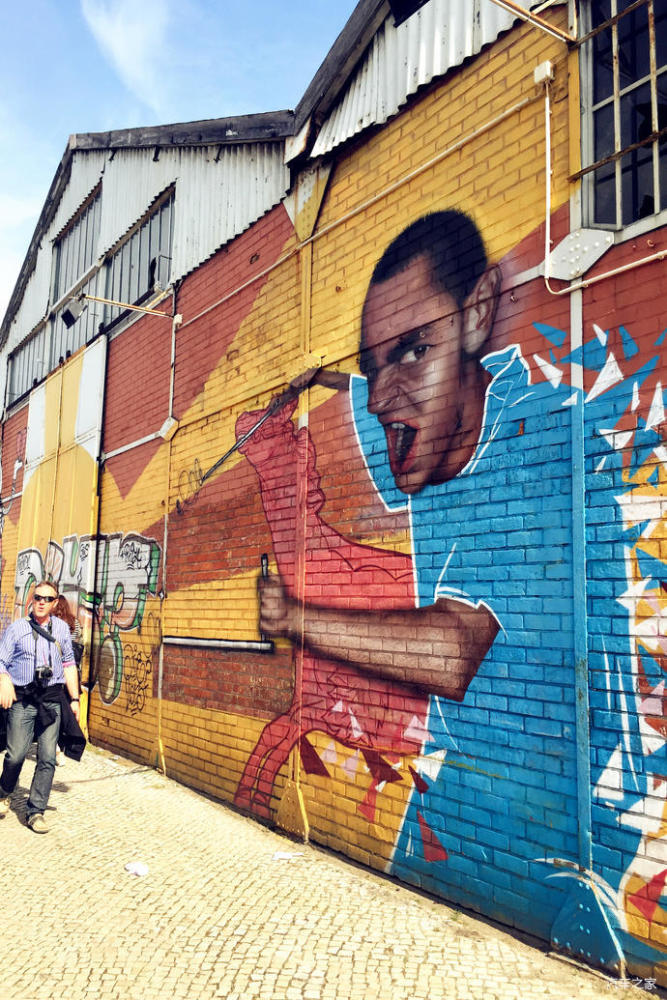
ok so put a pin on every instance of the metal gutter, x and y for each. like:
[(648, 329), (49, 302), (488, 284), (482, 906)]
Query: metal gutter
[(264, 127)]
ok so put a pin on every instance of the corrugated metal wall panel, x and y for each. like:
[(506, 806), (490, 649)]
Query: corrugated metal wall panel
[(399, 60), (36, 297), (132, 180), (89, 169), (219, 193)]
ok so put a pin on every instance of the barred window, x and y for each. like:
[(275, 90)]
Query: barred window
[(28, 365), (75, 251), (142, 262), (624, 95), (136, 267)]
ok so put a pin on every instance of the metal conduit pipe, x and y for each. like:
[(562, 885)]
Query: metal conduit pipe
[(538, 22), (585, 897)]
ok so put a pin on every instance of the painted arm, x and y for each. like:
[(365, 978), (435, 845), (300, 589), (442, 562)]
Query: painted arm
[(437, 649)]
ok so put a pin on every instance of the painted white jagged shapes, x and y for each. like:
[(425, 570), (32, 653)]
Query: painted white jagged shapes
[(417, 730), (656, 413), (553, 374), (602, 335), (610, 375), (618, 440), (637, 508)]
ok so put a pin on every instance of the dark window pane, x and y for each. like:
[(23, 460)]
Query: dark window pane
[(661, 87), (661, 35), (633, 47), (134, 290), (56, 280), (603, 75), (663, 174), (143, 257), (603, 132), (637, 185), (605, 195), (600, 12), (636, 115)]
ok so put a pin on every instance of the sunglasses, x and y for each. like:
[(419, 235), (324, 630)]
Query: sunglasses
[(44, 597)]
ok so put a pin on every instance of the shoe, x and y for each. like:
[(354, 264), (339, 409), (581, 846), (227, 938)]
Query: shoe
[(37, 823), (4, 806)]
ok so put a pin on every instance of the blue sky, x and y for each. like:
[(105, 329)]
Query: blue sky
[(93, 65)]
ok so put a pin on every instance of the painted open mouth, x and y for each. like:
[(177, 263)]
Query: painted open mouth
[(400, 438)]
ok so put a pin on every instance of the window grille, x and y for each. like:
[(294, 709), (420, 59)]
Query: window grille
[(28, 365), (75, 251), (142, 263), (133, 270), (624, 83)]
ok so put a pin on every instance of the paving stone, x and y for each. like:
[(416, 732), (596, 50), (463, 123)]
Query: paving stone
[(217, 916)]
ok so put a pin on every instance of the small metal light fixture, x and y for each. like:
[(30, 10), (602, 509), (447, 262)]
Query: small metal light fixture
[(77, 304), (71, 312)]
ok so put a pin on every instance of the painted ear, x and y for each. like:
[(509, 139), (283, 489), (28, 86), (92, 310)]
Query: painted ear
[(479, 311)]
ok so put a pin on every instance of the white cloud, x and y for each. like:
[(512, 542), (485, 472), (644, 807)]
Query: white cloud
[(133, 37)]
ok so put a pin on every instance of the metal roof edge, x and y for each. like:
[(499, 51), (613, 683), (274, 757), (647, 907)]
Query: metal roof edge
[(58, 184), (268, 126), (341, 61), (272, 126)]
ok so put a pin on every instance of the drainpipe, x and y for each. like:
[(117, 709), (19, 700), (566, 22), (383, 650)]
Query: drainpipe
[(582, 926), (169, 429), (98, 524)]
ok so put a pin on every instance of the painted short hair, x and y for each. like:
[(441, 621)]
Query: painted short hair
[(453, 244)]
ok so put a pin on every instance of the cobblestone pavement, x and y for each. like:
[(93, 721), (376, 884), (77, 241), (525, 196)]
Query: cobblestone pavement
[(231, 909)]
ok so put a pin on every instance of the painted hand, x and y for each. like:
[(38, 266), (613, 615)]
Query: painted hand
[(277, 610)]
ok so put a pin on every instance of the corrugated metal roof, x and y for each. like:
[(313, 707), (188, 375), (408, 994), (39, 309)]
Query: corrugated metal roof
[(228, 172), (36, 294), (220, 191), (439, 37)]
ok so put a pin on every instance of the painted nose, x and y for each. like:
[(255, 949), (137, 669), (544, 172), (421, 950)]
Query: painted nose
[(384, 390)]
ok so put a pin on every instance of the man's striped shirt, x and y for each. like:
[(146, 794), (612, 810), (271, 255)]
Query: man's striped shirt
[(21, 649)]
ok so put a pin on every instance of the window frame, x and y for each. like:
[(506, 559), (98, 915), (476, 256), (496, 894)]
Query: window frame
[(55, 342), (589, 107)]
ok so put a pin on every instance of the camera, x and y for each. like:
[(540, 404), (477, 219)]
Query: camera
[(43, 674)]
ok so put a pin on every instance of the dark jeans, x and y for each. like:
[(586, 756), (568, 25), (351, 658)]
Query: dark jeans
[(22, 727)]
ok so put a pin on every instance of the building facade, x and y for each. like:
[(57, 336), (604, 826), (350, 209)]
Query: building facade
[(445, 468)]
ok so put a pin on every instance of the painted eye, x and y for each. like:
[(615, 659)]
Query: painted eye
[(413, 354)]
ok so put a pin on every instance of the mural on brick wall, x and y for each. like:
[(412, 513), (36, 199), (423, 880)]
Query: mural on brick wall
[(443, 684), (127, 568)]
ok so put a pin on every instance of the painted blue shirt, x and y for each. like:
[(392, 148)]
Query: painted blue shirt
[(499, 774)]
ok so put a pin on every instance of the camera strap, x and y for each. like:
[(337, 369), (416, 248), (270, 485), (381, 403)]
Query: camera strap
[(46, 634)]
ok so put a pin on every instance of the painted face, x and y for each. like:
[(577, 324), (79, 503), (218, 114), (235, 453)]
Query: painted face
[(412, 355)]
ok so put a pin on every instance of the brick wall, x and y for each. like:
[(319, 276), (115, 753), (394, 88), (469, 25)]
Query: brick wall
[(476, 792)]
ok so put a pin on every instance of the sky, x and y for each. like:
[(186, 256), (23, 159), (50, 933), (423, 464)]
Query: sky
[(94, 65)]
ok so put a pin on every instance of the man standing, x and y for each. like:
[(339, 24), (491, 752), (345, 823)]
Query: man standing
[(422, 421), (37, 668)]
